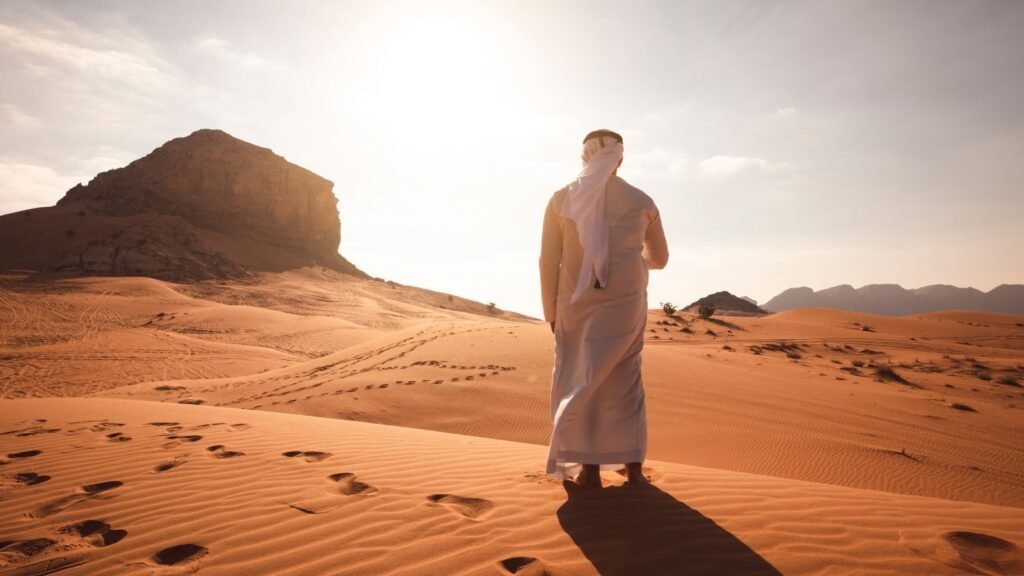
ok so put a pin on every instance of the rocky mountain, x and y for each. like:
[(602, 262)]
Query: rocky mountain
[(728, 303), (206, 205), (894, 300)]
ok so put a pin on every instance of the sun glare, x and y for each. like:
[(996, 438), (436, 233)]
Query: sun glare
[(436, 72)]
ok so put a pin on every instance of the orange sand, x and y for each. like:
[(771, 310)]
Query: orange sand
[(775, 447)]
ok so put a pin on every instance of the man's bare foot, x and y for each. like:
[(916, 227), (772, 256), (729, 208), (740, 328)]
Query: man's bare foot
[(590, 476), (635, 473)]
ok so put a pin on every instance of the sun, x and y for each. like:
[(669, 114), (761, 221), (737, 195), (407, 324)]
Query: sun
[(440, 72)]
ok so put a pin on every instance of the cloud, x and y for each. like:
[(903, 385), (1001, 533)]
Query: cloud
[(226, 52), (24, 186), (658, 161), (12, 116), (72, 49), (733, 165), (790, 111)]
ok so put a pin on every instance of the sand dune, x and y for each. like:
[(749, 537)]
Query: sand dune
[(236, 428), (136, 485)]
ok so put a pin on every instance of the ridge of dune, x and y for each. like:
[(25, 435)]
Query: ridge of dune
[(122, 486)]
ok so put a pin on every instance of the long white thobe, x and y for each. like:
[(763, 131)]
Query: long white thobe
[(597, 395)]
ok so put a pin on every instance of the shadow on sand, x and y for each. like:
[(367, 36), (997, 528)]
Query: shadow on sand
[(632, 530)]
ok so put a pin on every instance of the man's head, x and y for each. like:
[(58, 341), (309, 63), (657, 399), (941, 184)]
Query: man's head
[(602, 132), (599, 136)]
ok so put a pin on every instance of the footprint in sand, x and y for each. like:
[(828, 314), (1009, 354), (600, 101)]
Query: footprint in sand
[(218, 451), (15, 551), (319, 501), (180, 554), (177, 440), (32, 431), (349, 486), (118, 437), (985, 554), (25, 454), (239, 427), (308, 455), (165, 466), (30, 478), (468, 507), (162, 424), (95, 532), (524, 566), (84, 493)]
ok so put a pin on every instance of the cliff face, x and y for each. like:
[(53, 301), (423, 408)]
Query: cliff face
[(218, 182), (205, 205)]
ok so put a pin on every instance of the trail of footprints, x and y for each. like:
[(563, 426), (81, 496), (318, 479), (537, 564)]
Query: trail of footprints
[(342, 369), (72, 541), (977, 551)]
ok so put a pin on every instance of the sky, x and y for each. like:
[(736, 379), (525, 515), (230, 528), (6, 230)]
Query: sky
[(785, 143)]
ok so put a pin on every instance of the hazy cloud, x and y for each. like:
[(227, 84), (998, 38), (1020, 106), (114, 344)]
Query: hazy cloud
[(730, 165), (12, 116), (24, 186), (229, 54), (75, 50)]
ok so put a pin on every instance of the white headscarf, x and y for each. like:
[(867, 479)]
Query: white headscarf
[(585, 205)]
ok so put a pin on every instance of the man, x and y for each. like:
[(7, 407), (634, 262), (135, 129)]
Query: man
[(601, 236)]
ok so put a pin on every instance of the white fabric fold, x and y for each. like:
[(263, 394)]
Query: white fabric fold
[(585, 205)]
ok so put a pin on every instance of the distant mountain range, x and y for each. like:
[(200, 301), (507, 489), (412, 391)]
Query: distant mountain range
[(894, 300)]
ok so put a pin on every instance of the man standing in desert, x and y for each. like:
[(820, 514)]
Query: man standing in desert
[(601, 236)]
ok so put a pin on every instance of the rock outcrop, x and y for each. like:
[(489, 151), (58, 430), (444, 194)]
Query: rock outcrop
[(728, 303), (203, 206)]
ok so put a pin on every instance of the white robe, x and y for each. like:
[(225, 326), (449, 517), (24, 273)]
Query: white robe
[(597, 396)]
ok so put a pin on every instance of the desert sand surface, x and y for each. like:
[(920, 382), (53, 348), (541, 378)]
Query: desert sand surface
[(311, 422)]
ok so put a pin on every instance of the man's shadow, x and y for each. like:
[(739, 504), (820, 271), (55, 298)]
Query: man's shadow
[(631, 530)]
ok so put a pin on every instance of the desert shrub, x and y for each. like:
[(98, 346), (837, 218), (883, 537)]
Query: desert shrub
[(866, 328), (451, 298), (756, 350), (492, 307), (706, 310), (858, 363), (961, 406), (793, 355), (686, 329), (669, 308), (887, 374), (1010, 380), (711, 333), (985, 376), (727, 348)]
